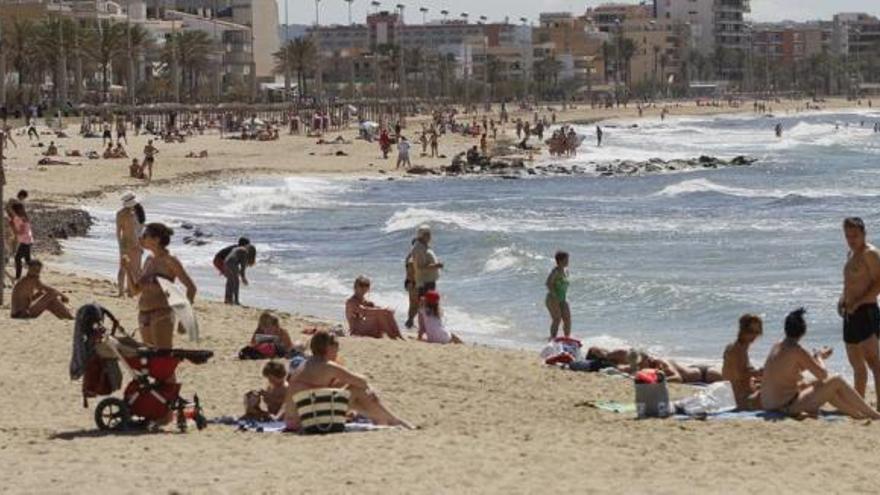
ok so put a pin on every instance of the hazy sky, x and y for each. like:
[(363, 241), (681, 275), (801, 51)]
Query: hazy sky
[(336, 11)]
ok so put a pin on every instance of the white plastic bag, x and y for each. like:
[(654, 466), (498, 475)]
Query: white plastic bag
[(715, 398)]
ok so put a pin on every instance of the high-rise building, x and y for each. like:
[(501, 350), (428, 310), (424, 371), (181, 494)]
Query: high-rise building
[(718, 28), (855, 34)]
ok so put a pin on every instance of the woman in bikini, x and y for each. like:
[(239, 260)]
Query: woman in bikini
[(367, 320), (322, 371), (157, 320)]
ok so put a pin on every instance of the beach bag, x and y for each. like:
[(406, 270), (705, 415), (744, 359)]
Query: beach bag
[(652, 395), (323, 410)]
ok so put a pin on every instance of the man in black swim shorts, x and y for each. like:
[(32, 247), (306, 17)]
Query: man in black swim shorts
[(858, 305)]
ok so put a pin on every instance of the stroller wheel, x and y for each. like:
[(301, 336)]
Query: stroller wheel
[(112, 414)]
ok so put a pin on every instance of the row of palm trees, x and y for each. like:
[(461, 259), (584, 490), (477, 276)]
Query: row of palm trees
[(85, 60)]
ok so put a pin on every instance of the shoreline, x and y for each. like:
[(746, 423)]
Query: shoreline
[(493, 420)]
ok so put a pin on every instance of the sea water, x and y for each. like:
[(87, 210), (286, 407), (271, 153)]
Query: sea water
[(665, 262)]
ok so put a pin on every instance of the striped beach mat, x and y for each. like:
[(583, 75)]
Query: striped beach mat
[(322, 410)]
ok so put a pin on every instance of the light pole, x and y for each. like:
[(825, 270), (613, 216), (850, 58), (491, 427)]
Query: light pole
[(486, 94), (349, 2), (2, 73), (402, 61), (319, 76), (524, 68), (376, 6), (445, 14), (131, 69), (467, 63), (175, 68), (619, 55), (424, 11)]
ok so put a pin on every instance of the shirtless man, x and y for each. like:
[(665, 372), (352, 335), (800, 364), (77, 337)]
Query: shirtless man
[(737, 368), (31, 298), (150, 152), (782, 388), (128, 229), (858, 306)]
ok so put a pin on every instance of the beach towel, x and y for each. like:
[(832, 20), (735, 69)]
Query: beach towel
[(244, 425), (630, 408)]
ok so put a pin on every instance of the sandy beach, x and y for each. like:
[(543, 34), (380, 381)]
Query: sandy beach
[(491, 420)]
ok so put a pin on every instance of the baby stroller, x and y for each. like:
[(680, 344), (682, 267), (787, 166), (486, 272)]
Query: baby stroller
[(152, 397)]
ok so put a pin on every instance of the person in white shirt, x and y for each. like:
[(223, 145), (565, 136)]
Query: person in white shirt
[(403, 153), (431, 325)]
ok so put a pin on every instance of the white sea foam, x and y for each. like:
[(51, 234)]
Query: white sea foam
[(509, 258), (293, 193), (697, 186), (411, 218)]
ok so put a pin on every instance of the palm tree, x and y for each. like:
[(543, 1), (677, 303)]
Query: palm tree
[(494, 68), (628, 49), (24, 56), (56, 43), (105, 42), (141, 44), (190, 50), (298, 56)]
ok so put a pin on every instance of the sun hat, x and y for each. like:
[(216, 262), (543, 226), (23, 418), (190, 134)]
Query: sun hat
[(432, 297), (129, 200)]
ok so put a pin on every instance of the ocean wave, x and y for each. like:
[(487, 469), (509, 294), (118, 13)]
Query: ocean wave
[(411, 218), (292, 194), (509, 258), (705, 186)]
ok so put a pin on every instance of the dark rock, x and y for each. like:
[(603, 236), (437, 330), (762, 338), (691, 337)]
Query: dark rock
[(419, 170)]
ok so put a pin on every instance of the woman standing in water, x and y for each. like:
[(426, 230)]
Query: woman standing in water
[(557, 293), (156, 318)]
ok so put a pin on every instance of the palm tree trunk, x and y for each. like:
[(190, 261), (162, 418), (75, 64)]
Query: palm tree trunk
[(105, 81), (78, 77), (2, 75)]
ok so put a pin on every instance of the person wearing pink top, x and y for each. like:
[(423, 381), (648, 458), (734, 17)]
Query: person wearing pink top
[(21, 225)]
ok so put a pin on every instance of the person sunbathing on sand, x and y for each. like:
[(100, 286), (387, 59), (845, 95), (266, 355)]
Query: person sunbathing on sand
[(737, 368), (782, 388), (364, 318), (31, 297), (274, 396), (681, 373), (201, 154), (54, 161), (108, 153), (269, 329), (322, 370)]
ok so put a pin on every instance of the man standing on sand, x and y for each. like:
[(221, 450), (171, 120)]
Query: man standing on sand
[(424, 260), (31, 298), (128, 230), (412, 291), (150, 152), (858, 305)]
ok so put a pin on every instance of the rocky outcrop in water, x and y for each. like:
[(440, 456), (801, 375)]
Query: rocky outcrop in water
[(52, 224), (516, 167)]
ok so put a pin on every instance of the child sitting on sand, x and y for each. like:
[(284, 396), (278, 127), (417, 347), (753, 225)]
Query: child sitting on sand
[(431, 321), (273, 396)]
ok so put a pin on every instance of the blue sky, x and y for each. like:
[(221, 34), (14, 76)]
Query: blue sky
[(336, 11)]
